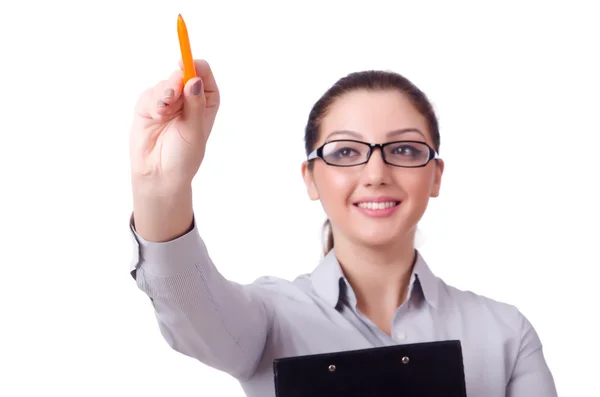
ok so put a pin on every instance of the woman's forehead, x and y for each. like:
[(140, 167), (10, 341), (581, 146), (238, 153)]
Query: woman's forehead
[(373, 115)]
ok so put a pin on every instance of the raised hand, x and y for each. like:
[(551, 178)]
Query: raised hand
[(171, 126)]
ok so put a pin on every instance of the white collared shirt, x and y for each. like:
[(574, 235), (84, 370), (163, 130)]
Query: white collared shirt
[(241, 329)]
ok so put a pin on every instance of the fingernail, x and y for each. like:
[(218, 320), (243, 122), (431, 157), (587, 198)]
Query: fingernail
[(197, 88), (169, 93), (160, 103)]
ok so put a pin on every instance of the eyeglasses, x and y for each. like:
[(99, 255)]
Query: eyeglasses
[(350, 153)]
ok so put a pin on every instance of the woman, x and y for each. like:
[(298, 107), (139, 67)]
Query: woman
[(372, 142)]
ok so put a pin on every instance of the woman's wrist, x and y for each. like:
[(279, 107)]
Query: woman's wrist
[(162, 217)]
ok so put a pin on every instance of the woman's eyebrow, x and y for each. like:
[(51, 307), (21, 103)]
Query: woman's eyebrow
[(390, 134)]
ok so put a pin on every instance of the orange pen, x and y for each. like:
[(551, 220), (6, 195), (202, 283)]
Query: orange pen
[(189, 70)]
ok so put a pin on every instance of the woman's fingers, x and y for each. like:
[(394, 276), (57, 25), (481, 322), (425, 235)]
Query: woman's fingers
[(204, 71), (171, 89), (166, 97), (165, 100)]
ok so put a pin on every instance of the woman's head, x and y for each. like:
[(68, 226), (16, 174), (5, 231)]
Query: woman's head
[(374, 202)]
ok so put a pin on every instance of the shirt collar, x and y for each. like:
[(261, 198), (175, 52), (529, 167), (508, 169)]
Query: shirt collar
[(328, 276)]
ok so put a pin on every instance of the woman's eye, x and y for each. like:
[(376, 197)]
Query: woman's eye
[(345, 152), (406, 150)]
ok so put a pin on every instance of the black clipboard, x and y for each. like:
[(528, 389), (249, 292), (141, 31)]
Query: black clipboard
[(429, 369)]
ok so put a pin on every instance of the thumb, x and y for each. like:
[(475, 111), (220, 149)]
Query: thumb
[(194, 101)]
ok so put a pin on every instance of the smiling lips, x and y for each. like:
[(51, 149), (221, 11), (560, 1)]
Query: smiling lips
[(377, 207)]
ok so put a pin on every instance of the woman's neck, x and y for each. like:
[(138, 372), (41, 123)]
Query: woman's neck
[(379, 277)]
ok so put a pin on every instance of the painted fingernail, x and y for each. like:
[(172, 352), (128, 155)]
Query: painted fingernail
[(197, 88), (161, 103), (169, 93)]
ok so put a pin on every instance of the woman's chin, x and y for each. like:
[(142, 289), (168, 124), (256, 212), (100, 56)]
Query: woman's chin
[(382, 238)]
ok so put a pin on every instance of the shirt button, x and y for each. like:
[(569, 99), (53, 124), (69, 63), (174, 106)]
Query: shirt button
[(400, 336)]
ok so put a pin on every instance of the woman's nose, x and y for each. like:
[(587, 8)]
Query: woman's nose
[(376, 171)]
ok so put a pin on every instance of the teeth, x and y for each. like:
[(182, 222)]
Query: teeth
[(378, 206)]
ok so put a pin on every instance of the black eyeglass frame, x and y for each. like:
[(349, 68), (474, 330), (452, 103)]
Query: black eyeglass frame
[(318, 153)]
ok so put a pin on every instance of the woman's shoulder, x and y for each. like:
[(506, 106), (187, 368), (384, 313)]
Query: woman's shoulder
[(473, 297), (452, 300), (484, 310)]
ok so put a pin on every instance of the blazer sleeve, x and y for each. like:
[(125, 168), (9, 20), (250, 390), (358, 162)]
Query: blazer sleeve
[(200, 313), (531, 375)]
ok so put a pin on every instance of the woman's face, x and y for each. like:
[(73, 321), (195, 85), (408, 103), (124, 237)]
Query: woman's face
[(348, 193)]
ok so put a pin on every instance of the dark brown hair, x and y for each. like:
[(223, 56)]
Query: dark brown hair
[(371, 80)]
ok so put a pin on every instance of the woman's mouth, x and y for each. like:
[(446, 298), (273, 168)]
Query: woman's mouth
[(372, 205), (378, 208)]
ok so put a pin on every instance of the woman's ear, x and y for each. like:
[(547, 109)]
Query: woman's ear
[(437, 178), (307, 175)]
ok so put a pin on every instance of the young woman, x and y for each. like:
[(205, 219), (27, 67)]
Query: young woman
[(372, 143)]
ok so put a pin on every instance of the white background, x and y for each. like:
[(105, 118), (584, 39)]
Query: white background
[(516, 88)]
